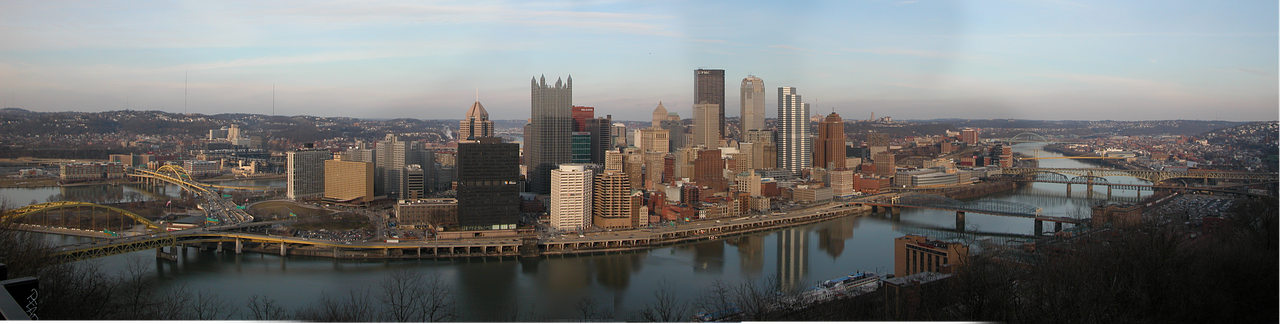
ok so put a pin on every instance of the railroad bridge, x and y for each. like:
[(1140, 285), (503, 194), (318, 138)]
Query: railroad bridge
[(894, 204)]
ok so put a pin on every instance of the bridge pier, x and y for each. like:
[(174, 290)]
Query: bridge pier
[(283, 252), (238, 245), (1108, 192), (1068, 190), (217, 247), (172, 255), (960, 221), (895, 212), (1039, 228)]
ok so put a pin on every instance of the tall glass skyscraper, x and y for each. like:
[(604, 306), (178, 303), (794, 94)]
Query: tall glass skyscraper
[(795, 148), (752, 104), (550, 131), (709, 88)]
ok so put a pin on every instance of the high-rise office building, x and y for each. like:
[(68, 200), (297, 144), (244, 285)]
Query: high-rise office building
[(676, 133), (794, 143), (884, 163), (305, 172), (348, 180), (475, 124), (659, 115), (877, 139), (752, 105), (764, 152), (709, 88), (619, 134), (601, 142), (707, 125), (488, 184), (413, 182), (550, 131), (392, 154), (571, 193), (580, 149), (654, 139), (828, 152), (580, 116), (708, 171), (969, 136)]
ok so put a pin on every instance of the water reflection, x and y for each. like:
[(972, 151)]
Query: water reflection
[(832, 236), (750, 253), (793, 258), (708, 257)]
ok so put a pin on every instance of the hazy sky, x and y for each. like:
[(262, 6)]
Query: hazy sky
[(1051, 59)]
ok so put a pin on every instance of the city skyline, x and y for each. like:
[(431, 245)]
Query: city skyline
[(1076, 60)]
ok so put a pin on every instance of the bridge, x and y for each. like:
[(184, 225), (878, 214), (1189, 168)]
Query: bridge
[(986, 206), (211, 201), (1152, 176), (1027, 137)]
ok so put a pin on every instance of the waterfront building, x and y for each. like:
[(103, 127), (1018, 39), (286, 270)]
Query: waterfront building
[(548, 138), (611, 200), (794, 143), (842, 182), (433, 212), (348, 180), (198, 168), (488, 184), (571, 193), (91, 171), (305, 172), (475, 124), (914, 254), (752, 105), (828, 151), (709, 88)]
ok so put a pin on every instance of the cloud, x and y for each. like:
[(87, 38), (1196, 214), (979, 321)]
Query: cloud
[(1257, 72)]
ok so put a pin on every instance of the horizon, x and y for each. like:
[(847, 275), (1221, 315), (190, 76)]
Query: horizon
[(909, 60)]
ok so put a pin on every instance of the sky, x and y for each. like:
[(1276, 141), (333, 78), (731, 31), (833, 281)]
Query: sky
[(1049, 59)]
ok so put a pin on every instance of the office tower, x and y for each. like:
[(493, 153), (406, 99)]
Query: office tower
[(488, 184), (659, 115), (615, 161), (391, 153), (764, 152), (571, 193), (550, 131), (969, 136), (654, 139), (426, 160), (752, 114), (676, 133), (611, 200), (914, 254), (828, 152), (233, 133), (475, 124), (793, 131), (709, 88), (413, 182), (601, 141), (346, 181), (634, 168), (707, 127), (884, 163), (619, 134), (360, 155), (841, 182), (708, 171), (580, 116), (580, 147), (654, 165), (306, 172)]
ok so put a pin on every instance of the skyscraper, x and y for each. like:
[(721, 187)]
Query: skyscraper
[(752, 115), (709, 88), (828, 152), (794, 144), (392, 157), (580, 116), (659, 115), (571, 197), (488, 184), (550, 128), (475, 124), (348, 180), (601, 141), (305, 172), (707, 127)]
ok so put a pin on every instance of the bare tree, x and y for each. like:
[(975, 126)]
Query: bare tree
[(666, 307), (357, 306), (266, 309), (412, 297)]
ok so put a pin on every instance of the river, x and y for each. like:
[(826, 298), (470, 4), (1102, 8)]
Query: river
[(551, 287)]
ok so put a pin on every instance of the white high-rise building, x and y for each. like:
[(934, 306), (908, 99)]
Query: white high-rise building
[(571, 197), (305, 173), (752, 114), (795, 147)]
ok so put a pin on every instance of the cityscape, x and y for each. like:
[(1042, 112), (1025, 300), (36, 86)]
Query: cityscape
[(770, 192)]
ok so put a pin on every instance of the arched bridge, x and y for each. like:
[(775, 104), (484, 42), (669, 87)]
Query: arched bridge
[(71, 215)]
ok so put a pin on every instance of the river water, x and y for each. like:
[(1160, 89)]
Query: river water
[(622, 284)]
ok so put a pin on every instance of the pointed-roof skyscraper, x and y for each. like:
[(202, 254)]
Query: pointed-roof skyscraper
[(475, 125), (659, 115)]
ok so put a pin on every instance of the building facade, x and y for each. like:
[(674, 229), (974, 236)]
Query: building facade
[(549, 132), (794, 143), (571, 193), (752, 104), (828, 152), (914, 254), (305, 173), (709, 88), (475, 124), (488, 184), (707, 126), (348, 180)]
